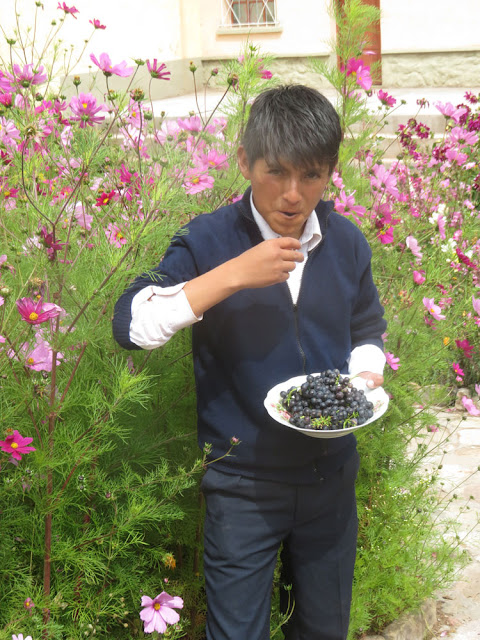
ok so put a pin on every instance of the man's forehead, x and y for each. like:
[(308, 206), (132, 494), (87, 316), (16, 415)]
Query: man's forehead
[(304, 166)]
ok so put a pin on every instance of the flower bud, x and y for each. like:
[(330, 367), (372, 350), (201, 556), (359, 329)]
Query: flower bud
[(214, 71), (76, 80), (192, 67)]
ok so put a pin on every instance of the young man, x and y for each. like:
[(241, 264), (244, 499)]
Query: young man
[(275, 285)]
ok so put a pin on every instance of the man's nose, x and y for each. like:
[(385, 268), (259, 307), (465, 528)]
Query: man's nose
[(292, 192)]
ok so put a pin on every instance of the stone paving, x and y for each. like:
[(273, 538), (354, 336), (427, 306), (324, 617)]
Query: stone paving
[(459, 605)]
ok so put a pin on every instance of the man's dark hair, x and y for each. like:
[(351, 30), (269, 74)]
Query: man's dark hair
[(293, 123)]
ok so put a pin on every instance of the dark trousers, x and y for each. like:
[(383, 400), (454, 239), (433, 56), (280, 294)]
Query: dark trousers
[(246, 521)]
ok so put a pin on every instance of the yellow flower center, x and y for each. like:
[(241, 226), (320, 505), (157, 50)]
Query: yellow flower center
[(119, 236), (106, 200), (157, 606), (195, 180), (84, 105), (446, 340), (30, 361), (134, 114), (33, 316), (432, 310), (14, 445), (6, 193)]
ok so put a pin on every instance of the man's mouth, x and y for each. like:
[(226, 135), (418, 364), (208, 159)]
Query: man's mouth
[(290, 214)]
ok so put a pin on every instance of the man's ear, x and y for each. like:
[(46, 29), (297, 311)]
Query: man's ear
[(243, 162)]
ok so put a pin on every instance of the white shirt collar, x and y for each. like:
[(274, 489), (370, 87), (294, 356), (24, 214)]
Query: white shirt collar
[(310, 237)]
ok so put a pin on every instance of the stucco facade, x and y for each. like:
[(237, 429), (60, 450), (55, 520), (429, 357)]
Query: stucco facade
[(424, 42)]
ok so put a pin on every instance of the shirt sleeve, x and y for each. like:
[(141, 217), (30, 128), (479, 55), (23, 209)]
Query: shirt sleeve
[(366, 357), (158, 313)]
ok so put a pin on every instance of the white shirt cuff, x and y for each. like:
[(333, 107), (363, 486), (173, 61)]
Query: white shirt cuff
[(158, 313), (367, 357)]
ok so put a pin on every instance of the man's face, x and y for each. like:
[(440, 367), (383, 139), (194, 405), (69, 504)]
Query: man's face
[(283, 194)]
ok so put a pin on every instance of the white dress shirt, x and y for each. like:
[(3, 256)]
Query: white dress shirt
[(159, 312)]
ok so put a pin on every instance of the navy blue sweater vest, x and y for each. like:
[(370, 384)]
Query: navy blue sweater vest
[(257, 338)]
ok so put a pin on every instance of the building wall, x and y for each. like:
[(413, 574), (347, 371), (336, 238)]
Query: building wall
[(424, 42)]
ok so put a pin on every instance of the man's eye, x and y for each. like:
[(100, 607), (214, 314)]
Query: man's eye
[(275, 172)]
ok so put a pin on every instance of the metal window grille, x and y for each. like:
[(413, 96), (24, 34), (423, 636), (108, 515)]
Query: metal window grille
[(243, 13)]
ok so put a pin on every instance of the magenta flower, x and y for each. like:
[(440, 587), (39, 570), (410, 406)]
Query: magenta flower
[(432, 428), (419, 277), (105, 198), (97, 24), (385, 234), (29, 603), (197, 182), (71, 10), (392, 362), (16, 445), (115, 235), (159, 612), (385, 98), (466, 347), (433, 308), (345, 205), (37, 312), (470, 406), (413, 245), (457, 370), (157, 71), (360, 72), (109, 69), (85, 109)]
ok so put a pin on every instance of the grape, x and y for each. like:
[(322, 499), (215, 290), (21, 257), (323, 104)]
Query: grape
[(326, 402)]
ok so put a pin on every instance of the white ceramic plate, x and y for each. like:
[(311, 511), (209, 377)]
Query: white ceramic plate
[(378, 397)]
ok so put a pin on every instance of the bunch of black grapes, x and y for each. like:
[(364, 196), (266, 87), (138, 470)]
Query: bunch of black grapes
[(326, 402)]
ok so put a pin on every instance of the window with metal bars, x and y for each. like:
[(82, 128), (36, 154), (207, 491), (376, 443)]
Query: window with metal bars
[(242, 13)]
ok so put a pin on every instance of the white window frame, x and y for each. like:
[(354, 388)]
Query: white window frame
[(229, 24)]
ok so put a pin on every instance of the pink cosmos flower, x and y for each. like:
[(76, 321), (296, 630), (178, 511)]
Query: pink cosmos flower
[(466, 347), (37, 312), (419, 277), (360, 72), (115, 235), (16, 445), (385, 234), (345, 205), (337, 180), (71, 10), (5, 82), (96, 24), (27, 76), (476, 305), (157, 71), (470, 406), (193, 123), (384, 180), (83, 219), (28, 603), (432, 308), (449, 111), (213, 160), (460, 137), (385, 98), (8, 132), (40, 358), (85, 109), (197, 182), (109, 69), (412, 244), (392, 362), (20, 637), (159, 612), (457, 370)]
